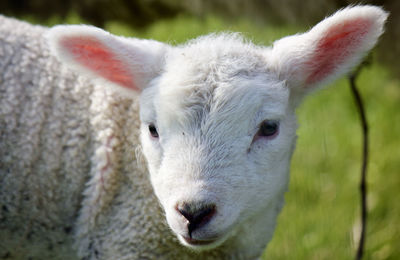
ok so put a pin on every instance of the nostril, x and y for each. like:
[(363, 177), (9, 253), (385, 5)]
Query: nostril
[(196, 214)]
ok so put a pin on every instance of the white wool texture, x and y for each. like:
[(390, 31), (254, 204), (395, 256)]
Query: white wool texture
[(69, 176), (73, 180)]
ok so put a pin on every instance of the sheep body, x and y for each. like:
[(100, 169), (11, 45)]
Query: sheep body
[(217, 127), (43, 166), (58, 132)]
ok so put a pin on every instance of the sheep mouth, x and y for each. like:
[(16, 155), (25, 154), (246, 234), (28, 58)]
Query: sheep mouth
[(196, 242), (202, 244), (206, 242)]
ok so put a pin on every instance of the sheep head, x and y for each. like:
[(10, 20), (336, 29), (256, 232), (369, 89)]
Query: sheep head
[(218, 125)]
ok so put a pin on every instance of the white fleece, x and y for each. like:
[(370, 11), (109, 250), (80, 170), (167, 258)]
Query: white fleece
[(217, 128)]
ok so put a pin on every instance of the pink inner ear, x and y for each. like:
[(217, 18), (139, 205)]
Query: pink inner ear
[(336, 47), (97, 57)]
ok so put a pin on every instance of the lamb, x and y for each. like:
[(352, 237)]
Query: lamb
[(122, 148)]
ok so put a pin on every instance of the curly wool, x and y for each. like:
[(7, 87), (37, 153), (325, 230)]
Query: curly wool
[(69, 173), (72, 182)]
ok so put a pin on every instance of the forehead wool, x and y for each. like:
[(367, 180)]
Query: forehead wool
[(215, 74)]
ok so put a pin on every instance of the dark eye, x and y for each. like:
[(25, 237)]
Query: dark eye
[(268, 128), (153, 131)]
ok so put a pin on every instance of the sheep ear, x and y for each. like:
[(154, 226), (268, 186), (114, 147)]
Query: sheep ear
[(329, 49), (128, 64)]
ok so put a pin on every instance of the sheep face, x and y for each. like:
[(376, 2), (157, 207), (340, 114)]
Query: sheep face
[(218, 123), (218, 133)]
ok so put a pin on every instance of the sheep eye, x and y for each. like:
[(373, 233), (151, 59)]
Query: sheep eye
[(153, 131), (268, 128)]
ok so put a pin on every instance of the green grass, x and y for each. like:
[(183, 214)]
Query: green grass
[(183, 28), (321, 217)]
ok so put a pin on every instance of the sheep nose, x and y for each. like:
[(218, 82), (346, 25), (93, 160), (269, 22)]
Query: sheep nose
[(197, 214)]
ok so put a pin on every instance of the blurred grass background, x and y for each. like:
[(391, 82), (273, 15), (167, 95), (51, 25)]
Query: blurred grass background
[(321, 218)]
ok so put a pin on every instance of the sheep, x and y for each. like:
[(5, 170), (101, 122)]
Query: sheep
[(123, 148)]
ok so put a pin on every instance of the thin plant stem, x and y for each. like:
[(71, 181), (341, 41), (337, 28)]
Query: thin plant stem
[(363, 186)]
